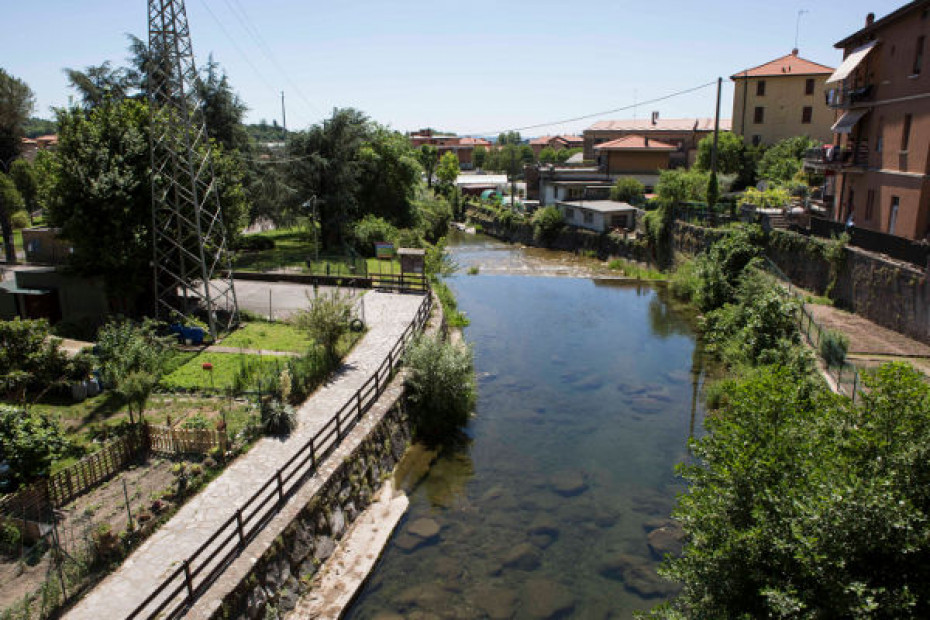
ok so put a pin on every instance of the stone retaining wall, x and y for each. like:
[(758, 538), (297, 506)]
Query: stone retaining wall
[(284, 572)]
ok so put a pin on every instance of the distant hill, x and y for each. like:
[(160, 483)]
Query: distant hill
[(40, 127), (263, 132)]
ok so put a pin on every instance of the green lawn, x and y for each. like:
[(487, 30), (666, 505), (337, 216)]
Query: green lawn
[(268, 336), (226, 366)]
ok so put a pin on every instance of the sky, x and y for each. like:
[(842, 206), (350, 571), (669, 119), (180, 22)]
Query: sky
[(475, 68)]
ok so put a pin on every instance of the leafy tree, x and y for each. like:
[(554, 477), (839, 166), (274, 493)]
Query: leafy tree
[(782, 161), (369, 230), (30, 358), (428, 156), (440, 388), (730, 151), (47, 169), (390, 175), (103, 193), (35, 127), (526, 155), (548, 155), (31, 443), (132, 358), (16, 104), (100, 84), (628, 189), (24, 177), (448, 170), (223, 110), (10, 202), (434, 213), (326, 320), (713, 190), (802, 504), (564, 154), (480, 157), (509, 137), (547, 223)]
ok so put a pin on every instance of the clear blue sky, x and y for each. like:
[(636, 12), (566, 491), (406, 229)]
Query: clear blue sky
[(469, 67)]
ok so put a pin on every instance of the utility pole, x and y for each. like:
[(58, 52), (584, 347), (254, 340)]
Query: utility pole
[(513, 177), (713, 153), (283, 122)]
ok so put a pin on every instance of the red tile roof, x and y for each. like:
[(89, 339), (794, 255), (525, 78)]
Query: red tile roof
[(474, 142), (635, 143), (790, 64), (544, 140), (662, 124)]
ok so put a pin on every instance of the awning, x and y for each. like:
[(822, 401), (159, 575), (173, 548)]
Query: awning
[(848, 121), (11, 287), (851, 62)]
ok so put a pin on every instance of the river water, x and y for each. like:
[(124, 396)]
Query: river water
[(586, 403)]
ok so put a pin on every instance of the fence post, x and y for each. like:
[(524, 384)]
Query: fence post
[(187, 580), (239, 528), (339, 425), (358, 401), (280, 487), (855, 386)]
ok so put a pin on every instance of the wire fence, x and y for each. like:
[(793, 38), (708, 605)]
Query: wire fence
[(845, 375)]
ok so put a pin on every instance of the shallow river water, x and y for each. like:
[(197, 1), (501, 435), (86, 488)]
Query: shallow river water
[(586, 403)]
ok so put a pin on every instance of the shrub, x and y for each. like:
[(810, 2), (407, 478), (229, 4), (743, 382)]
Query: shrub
[(369, 230), (254, 243), (629, 190), (197, 421), (547, 223), (277, 417), (20, 220), (30, 359), (833, 347), (10, 538), (31, 442), (326, 320), (440, 388)]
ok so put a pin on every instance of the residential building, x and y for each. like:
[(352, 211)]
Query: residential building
[(463, 148), (683, 133), (556, 143), (598, 215), (29, 147), (635, 156), (881, 94), (551, 183), (782, 99)]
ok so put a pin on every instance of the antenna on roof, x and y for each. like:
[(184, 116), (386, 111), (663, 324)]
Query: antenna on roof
[(797, 26)]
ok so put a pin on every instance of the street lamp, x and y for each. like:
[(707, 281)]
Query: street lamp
[(311, 205)]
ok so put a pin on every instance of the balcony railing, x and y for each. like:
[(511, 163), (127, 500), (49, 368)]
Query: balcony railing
[(845, 97), (836, 157)]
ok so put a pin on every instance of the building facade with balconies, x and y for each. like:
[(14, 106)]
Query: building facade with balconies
[(880, 157)]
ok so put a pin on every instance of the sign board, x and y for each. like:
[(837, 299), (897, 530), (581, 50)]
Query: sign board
[(384, 249)]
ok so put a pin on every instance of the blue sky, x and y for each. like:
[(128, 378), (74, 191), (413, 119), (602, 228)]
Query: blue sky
[(470, 67)]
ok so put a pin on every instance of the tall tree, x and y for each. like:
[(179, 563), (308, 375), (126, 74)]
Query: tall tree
[(16, 104), (98, 84), (10, 203), (428, 156), (480, 156), (391, 175), (24, 176), (448, 170), (222, 108), (730, 150)]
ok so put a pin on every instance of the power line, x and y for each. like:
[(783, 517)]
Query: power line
[(596, 114)]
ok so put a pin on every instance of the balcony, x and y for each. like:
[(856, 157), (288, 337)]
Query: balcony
[(848, 97), (847, 158)]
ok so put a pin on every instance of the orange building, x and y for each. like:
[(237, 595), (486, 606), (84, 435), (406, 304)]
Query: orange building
[(881, 94), (638, 157), (557, 143), (683, 133), (464, 148)]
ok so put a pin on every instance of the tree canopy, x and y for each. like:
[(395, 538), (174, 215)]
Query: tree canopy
[(16, 104), (782, 161), (448, 170), (730, 150)]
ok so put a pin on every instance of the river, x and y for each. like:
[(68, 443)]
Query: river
[(558, 504)]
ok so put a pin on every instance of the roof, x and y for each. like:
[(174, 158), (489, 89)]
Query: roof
[(601, 206), (475, 141), (635, 143), (662, 124), (790, 64), (884, 21), (564, 138), (481, 179)]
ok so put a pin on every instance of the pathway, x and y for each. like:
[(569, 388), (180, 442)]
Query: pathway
[(387, 315)]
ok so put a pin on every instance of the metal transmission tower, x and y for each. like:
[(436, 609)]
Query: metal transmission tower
[(189, 235)]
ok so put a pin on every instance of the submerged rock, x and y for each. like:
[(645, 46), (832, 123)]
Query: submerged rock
[(424, 528), (524, 557), (668, 539), (496, 603), (545, 599), (636, 573), (544, 524), (568, 484)]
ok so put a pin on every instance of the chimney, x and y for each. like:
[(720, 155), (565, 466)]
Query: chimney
[(655, 117), (646, 141), (869, 19), (794, 52)]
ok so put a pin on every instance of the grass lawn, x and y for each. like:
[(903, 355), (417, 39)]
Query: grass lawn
[(269, 337), (226, 366)]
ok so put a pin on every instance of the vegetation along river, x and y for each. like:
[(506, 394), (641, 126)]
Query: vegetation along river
[(586, 403)]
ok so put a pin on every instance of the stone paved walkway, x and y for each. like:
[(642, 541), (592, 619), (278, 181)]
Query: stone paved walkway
[(387, 315)]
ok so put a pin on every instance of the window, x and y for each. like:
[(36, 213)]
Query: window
[(893, 216), (880, 135), (756, 140), (809, 86), (806, 114), (569, 213), (588, 217), (918, 56), (760, 88), (906, 134), (869, 205), (758, 116)]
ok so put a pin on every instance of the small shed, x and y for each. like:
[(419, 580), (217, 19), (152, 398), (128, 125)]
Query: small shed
[(412, 260)]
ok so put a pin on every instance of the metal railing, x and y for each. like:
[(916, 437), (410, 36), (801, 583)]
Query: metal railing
[(172, 597)]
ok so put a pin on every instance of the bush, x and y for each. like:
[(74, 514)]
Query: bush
[(326, 320), (31, 442), (833, 347), (547, 223), (277, 417), (629, 190), (254, 243), (440, 388), (371, 229), (20, 220), (30, 359)]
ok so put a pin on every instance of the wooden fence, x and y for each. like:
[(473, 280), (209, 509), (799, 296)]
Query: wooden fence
[(167, 440)]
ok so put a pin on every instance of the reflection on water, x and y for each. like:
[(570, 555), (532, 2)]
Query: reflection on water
[(559, 506)]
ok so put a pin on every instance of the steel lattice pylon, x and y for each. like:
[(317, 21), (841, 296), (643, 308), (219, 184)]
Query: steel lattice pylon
[(189, 236)]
